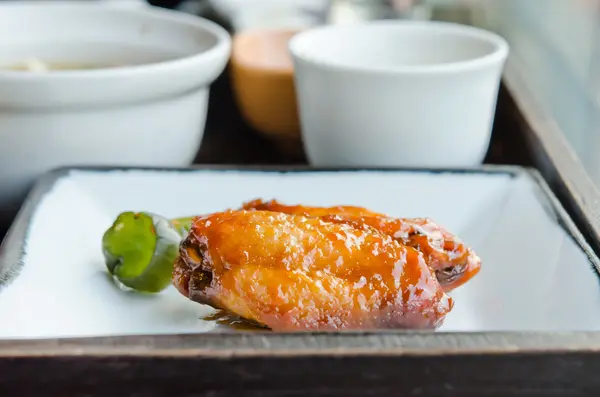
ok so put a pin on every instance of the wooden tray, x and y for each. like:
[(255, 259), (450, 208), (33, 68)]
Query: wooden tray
[(351, 364), (260, 363)]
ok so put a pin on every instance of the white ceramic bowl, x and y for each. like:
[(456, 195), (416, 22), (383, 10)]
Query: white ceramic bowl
[(397, 93), (151, 111)]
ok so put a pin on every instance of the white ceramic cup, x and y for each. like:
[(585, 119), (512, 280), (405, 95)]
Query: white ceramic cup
[(397, 93)]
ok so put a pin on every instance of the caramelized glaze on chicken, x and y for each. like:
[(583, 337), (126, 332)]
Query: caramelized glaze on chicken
[(452, 261), (291, 272)]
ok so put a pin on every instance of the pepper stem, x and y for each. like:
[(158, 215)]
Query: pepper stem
[(182, 225)]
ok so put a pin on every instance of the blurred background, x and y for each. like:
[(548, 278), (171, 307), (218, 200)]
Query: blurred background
[(555, 42)]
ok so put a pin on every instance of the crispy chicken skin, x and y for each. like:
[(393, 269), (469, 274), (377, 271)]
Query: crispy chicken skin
[(453, 262), (290, 272)]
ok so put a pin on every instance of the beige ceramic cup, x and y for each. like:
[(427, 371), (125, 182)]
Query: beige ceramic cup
[(263, 83)]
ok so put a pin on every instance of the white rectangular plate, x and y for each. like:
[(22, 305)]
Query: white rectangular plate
[(538, 274)]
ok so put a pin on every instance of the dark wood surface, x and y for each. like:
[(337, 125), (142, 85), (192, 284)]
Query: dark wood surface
[(547, 375), (405, 365)]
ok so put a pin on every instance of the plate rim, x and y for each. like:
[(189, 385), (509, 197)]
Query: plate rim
[(267, 344)]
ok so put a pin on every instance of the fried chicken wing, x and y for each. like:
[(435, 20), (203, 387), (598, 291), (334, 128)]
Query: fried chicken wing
[(291, 272), (453, 262)]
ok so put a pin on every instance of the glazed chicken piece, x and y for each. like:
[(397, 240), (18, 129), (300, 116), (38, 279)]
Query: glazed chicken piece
[(452, 261), (290, 272)]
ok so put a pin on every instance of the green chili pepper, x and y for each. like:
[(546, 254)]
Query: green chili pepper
[(140, 248)]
